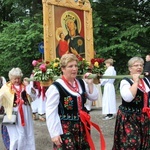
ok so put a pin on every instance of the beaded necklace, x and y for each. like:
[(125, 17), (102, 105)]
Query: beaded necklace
[(74, 89)]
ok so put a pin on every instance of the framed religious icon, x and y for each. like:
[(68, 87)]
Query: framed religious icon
[(68, 28)]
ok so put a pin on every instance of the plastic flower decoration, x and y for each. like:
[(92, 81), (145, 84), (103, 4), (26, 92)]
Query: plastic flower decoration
[(97, 65), (44, 70)]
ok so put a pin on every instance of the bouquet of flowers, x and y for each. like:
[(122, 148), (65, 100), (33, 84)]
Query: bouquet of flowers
[(44, 70), (83, 66), (97, 66)]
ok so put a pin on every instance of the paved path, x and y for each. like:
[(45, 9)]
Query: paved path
[(43, 141)]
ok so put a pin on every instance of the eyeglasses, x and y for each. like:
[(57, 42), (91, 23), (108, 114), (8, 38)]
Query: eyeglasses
[(139, 65)]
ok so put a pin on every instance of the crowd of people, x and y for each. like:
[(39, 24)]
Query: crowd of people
[(63, 107)]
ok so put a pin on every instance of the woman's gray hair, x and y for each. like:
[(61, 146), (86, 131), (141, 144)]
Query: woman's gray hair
[(15, 72), (135, 59)]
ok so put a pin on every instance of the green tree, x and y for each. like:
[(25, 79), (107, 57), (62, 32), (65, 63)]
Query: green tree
[(21, 30), (121, 30)]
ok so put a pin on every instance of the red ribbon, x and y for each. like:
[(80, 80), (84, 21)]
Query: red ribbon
[(85, 119), (19, 101), (145, 109), (42, 92), (36, 85)]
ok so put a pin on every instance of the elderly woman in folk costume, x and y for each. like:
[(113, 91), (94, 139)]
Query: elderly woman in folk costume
[(67, 118), (15, 97), (132, 129)]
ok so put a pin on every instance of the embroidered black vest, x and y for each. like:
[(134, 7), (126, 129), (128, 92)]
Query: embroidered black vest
[(137, 103), (68, 106)]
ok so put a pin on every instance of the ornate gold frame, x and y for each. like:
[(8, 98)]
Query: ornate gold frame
[(49, 26)]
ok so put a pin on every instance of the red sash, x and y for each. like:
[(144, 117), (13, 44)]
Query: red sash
[(19, 102), (85, 119), (145, 109)]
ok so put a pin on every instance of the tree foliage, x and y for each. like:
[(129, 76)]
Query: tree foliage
[(121, 30), (21, 32)]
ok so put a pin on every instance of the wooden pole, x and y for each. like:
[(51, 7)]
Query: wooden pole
[(111, 77)]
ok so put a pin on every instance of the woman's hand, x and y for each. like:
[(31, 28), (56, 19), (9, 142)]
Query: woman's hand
[(87, 80), (134, 87), (136, 78), (57, 140)]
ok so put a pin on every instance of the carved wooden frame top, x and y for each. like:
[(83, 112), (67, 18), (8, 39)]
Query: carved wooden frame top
[(49, 26)]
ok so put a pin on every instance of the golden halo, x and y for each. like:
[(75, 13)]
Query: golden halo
[(70, 15)]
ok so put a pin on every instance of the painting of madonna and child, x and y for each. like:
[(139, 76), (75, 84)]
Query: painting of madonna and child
[(69, 25)]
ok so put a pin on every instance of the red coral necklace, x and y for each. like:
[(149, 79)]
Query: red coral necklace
[(75, 89)]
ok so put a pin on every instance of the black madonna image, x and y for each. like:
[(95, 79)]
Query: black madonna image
[(69, 35)]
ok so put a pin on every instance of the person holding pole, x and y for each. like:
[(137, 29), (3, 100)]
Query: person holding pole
[(67, 119), (132, 128)]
